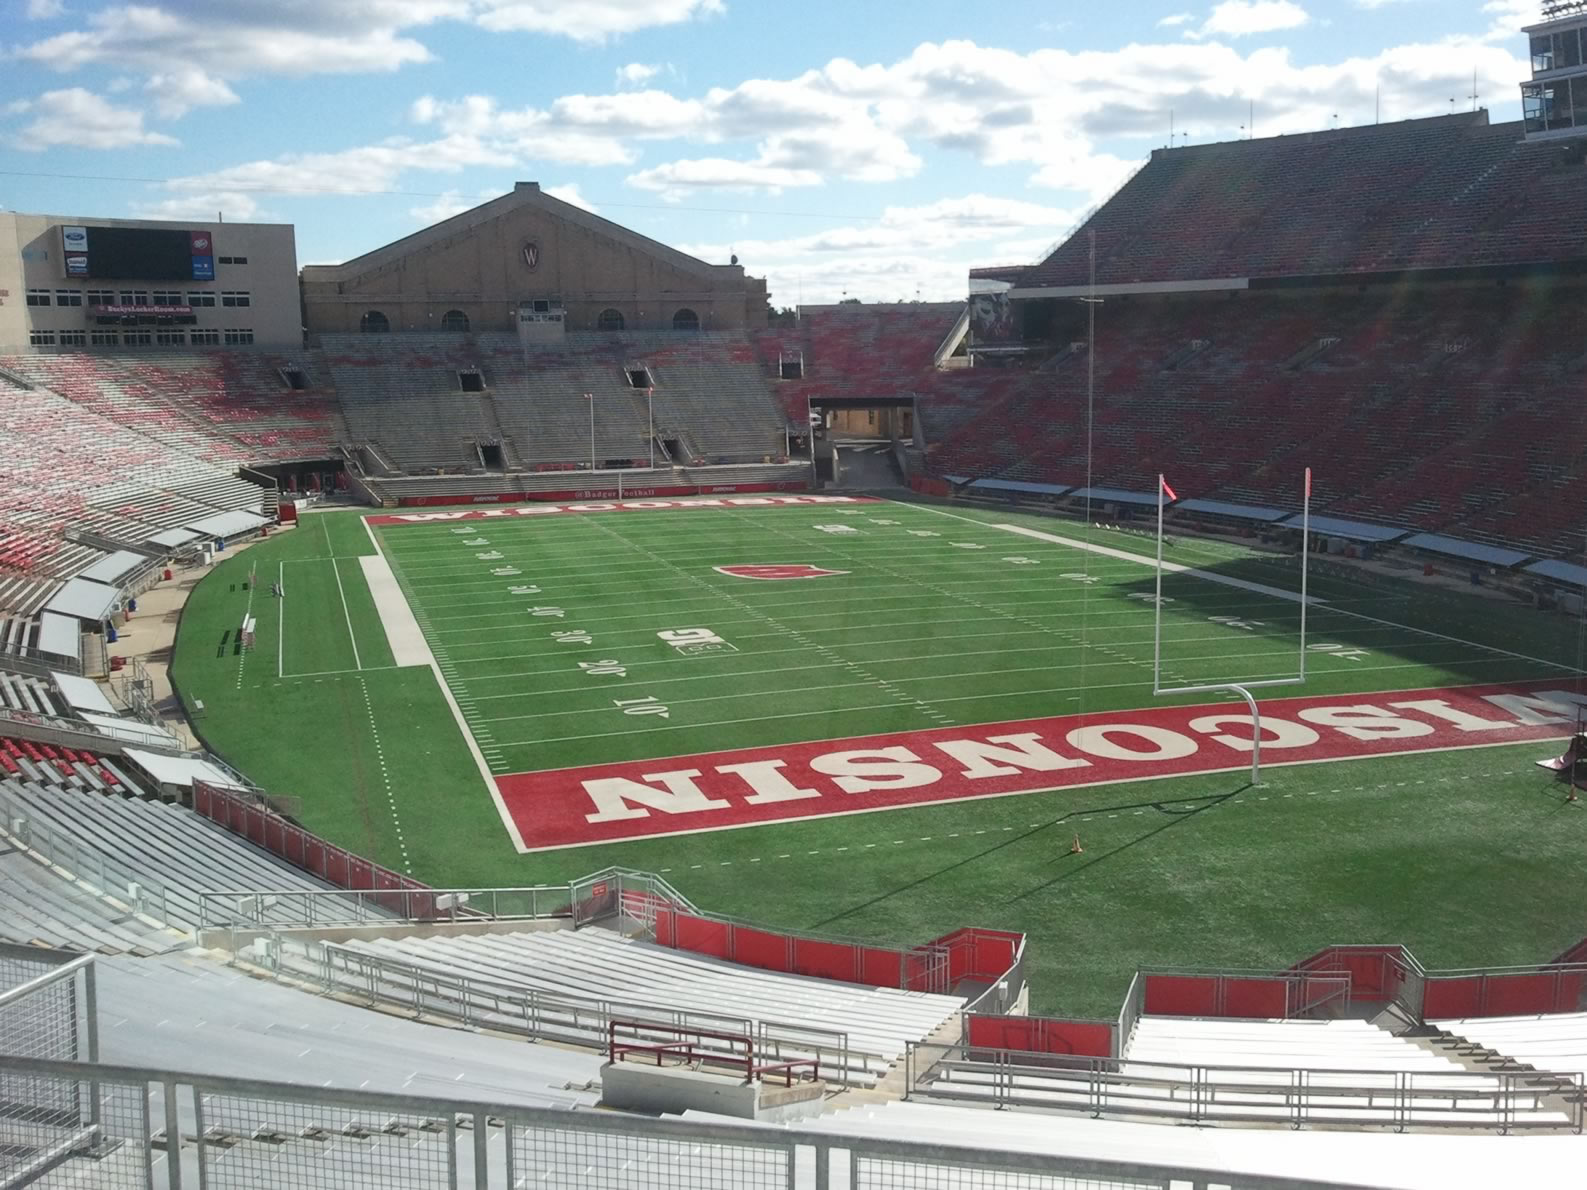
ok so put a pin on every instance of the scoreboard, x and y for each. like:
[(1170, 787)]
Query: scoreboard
[(137, 254)]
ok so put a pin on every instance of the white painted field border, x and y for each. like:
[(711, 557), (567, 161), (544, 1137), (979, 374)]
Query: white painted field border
[(457, 714)]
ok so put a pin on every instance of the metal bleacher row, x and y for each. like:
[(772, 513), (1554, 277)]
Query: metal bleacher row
[(600, 967), (405, 394), (90, 466), (169, 852)]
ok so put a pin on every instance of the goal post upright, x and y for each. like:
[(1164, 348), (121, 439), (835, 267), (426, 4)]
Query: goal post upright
[(1243, 689)]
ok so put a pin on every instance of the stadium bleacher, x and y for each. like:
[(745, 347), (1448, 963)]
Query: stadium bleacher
[(1441, 192), (172, 852), (600, 967)]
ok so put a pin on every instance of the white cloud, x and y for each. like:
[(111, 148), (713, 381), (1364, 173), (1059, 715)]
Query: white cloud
[(678, 178), (179, 91), (909, 251), (82, 120), (588, 20), (1242, 18), (296, 38), (569, 193), (233, 205), (1176, 19), (444, 206), (636, 74)]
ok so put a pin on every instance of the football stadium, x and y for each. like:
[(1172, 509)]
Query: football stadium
[(509, 709)]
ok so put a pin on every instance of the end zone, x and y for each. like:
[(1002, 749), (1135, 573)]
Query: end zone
[(611, 803)]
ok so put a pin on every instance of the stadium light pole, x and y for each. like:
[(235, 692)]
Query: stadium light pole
[(590, 397)]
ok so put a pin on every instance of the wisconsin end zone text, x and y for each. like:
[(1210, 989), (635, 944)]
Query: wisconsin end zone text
[(754, 786)]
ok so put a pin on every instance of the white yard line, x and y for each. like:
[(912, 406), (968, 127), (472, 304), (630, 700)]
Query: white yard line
[(1176, 568), (346, 614), (281, 617), (469, 741)]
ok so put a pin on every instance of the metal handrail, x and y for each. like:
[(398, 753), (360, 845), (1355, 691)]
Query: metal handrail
[(534, 1006), (229, 907), (1193, 1090), (108, 877)]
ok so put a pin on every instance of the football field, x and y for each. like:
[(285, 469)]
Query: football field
[(883, 718)]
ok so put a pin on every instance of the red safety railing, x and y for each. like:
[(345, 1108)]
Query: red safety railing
[(692, 1049)]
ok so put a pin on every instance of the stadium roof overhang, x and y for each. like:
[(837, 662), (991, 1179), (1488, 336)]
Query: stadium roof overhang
[(1473, 551), (85, 599), (861, 402), (1209, 285)]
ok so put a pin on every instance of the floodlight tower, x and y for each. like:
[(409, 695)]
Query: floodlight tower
[(1554, 102)]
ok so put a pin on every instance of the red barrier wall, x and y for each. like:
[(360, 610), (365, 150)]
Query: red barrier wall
[(640, 492), (1517, 993), (1181, 995), (920, 969), (245, 817), (1254, 998), (1040, 1035)]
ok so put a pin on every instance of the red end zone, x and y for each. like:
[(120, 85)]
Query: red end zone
[(751, 786), (533, 510)]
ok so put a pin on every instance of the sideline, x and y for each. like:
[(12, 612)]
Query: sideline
[(393, 607)]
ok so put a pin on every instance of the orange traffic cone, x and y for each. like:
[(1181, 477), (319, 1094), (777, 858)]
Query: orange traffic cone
[(1075, 848)]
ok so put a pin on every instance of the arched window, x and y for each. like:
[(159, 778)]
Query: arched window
[(686, 320), (374, 323), (609, 320), (454, 320)]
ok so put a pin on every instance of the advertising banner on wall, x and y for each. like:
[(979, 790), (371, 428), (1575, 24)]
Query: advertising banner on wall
[(74, 250)]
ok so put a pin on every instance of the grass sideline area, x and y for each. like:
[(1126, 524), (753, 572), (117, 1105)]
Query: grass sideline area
[(1461, 855)]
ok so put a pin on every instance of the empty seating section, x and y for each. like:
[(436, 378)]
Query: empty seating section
[(1557, 1042), (1448, 191), (335, 1044), (40, 907), (404, 394), (165, 844), (1442, 409), (228, 406), (1345, 1072), (597, 965), (859, 351), (78, 468), (1280, 1045), (1252, 1155), (711, 385)]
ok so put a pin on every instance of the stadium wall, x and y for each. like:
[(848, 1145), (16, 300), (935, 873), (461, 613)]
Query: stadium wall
[(527, 245), (33, 264)]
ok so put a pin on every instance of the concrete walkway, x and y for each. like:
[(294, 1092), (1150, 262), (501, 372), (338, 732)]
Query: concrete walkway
[(150, 633)]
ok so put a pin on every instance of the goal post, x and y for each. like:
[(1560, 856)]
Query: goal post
[(1165, 494)]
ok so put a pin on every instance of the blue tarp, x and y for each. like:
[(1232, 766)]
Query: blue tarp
[(1472, 550), (1018, 485), (1355, 530), (1116, 496), (1562, 572), (1221, 508)]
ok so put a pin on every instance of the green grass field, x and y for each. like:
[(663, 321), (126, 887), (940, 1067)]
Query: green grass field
[(942, 620)]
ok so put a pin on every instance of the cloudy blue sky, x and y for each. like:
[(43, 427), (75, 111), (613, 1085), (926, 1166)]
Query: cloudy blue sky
[(873, 148)]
